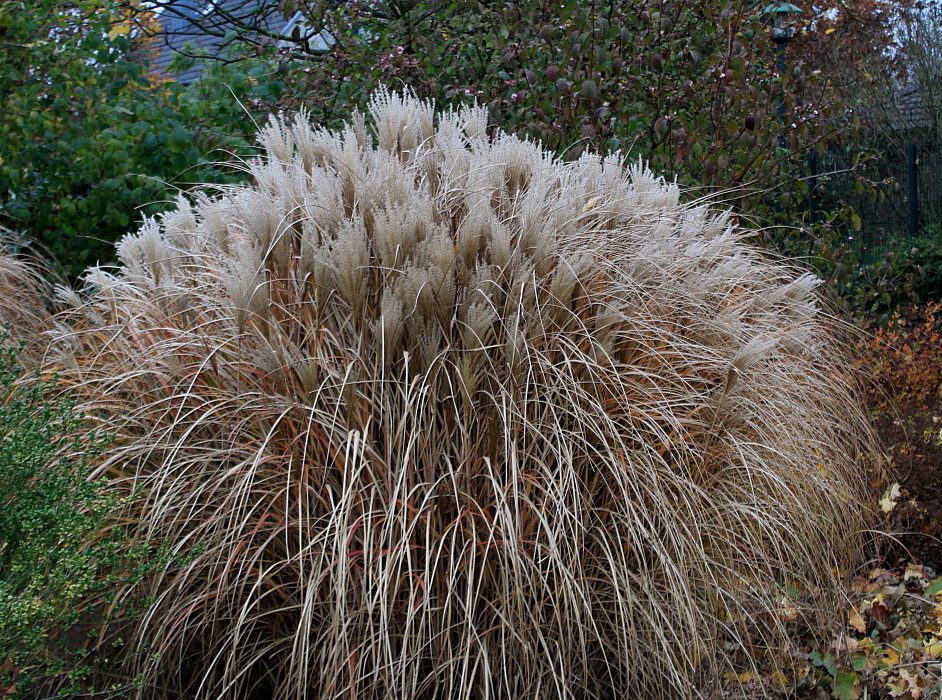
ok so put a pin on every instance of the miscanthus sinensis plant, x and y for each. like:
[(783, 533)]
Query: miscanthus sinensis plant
[(450, 418)]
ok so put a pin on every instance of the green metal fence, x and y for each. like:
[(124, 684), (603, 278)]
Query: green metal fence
[(908, 204)]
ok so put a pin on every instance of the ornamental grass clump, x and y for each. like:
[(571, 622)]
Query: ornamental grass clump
[(23, 313), (433, 414)]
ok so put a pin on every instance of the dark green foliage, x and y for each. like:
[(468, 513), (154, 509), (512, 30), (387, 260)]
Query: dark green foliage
[(927, 253), (860, 285), (690, 87), (89, 141), (876, 290)]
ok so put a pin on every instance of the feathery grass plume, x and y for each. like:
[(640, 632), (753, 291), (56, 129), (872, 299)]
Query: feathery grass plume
[(451, 418)]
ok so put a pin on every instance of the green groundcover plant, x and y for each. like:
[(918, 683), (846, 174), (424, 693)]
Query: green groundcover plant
[(453, 418), (60, 552), (47, 509)]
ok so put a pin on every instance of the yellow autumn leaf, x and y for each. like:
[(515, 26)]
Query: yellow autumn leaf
[(891, 657), (934, 647), (743, 677), (778, 678), (118, 30), (856, 621), (830, 31)]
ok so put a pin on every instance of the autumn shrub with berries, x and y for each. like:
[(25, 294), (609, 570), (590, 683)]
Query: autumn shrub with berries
[(905, 357), (449, 417)]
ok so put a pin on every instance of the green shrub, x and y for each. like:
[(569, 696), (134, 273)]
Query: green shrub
[(927, 255), (91, 140), (454, 418), (61, 557), (45, 513), (691, 88)]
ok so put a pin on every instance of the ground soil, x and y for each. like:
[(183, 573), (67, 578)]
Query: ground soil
[(913, 440)]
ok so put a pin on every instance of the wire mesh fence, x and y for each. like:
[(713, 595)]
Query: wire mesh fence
[(897, 196)]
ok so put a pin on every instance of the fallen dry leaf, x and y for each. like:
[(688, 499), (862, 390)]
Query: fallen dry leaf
[(890, 496), (856, 621)]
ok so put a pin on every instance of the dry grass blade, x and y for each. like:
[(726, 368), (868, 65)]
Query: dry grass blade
[(447, 417), (22, 306)]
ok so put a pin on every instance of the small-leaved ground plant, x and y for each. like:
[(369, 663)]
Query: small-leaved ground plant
[(452, 418), (58, 558), (45, 513)]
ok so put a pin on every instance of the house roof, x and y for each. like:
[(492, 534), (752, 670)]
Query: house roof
[(207, 27), (905, 110), (912, 108)]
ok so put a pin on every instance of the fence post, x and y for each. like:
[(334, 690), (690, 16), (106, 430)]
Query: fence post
[(913, 189)]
